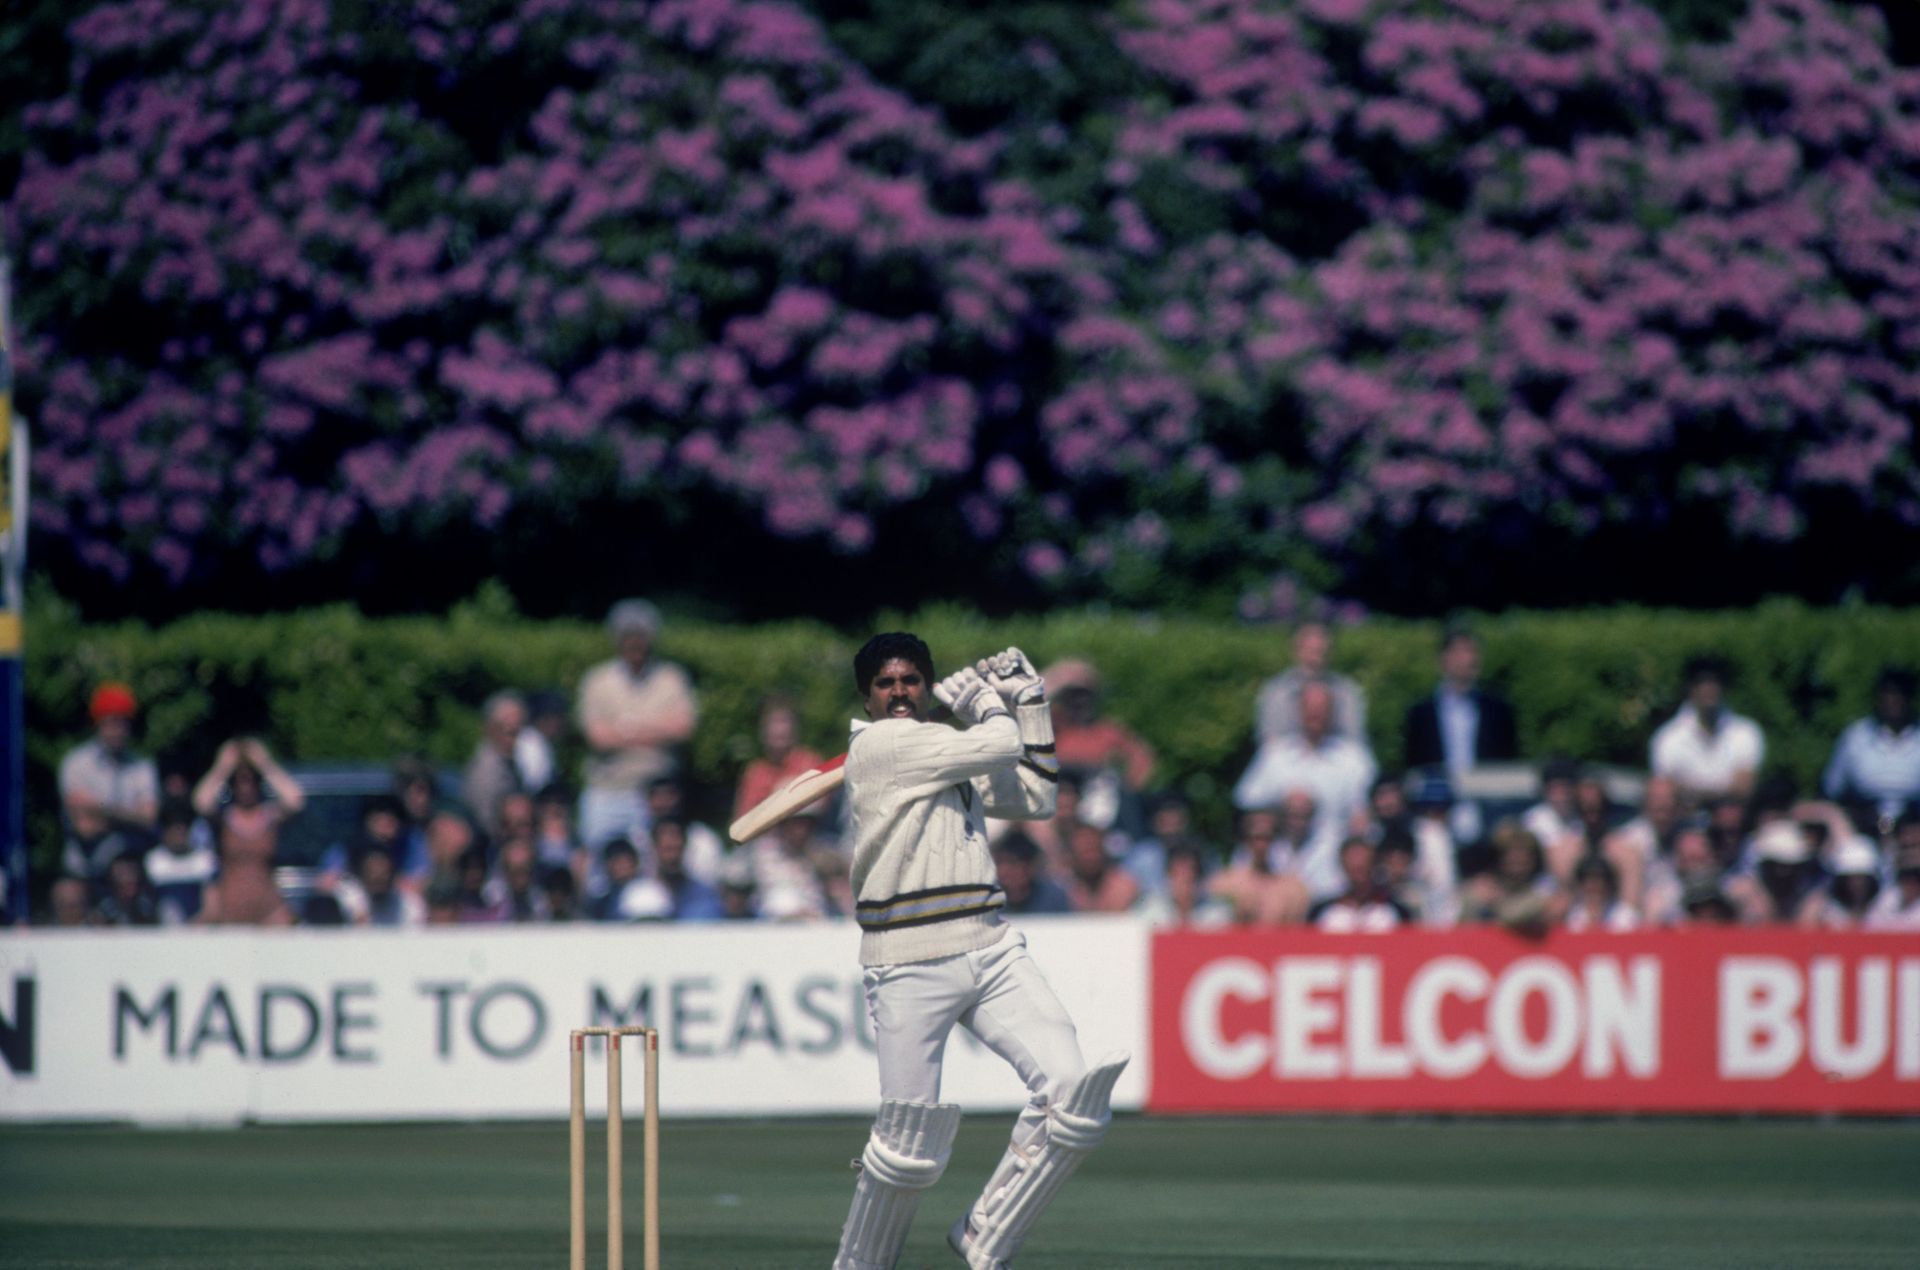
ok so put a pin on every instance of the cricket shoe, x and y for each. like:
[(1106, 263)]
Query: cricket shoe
[(960, 1239)]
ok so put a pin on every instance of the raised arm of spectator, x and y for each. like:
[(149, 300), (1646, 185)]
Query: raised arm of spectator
[(206, 794), (292, 798)]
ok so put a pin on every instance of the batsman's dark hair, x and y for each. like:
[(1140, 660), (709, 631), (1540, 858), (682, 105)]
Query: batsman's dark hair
[(882, 649)]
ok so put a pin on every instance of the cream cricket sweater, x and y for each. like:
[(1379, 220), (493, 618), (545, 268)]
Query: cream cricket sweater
[(917, 798)]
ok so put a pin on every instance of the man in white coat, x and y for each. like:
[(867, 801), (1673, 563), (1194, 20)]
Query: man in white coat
[(937, 950)]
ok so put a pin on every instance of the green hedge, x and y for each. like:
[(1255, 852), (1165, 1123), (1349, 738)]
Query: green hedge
[(332, 684)]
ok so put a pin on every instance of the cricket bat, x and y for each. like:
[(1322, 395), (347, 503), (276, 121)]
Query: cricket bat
[(802, 791)]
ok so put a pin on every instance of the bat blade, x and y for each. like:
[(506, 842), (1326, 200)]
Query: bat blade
[(802, 791)]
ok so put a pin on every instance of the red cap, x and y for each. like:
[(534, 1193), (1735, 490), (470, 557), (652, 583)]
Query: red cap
[(113, 700)]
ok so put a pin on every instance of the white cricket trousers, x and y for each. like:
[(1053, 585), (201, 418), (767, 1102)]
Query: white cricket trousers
[(998, 994)]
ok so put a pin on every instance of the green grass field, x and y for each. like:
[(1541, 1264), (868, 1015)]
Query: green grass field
[(1163, 1192)]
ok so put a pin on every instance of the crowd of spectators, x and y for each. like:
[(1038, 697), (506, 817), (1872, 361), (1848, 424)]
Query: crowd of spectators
[(1321, 835)]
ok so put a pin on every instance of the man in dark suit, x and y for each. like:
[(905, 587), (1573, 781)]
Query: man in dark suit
[(1461, 725)]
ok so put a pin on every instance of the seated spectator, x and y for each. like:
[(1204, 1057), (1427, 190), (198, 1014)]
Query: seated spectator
[(553, 834), (1396, 861), (1461, 725), (180, 868), (1277, 708), (471, 877), (688, 898), (1437, 862), (667, 796), (68, 900), (1362, 906), (1689, 865), (1388, 807), (1897, 907), (1853, 884), (1113, 763), (1708, 751), (129, 901), (1519, 892), (370, 896), (1554, 820), (1633, 847), (419, 795), (450, 838), (633, 710), (620, 865), (247, 827), (798, 873), (1786, 870), (1337, 772), (1016, 861), (1097, 884), (1596, 899), (1257, 892), (737, 895), (1169, 826), (1706, 903), (1876, 763), (513, 890), (1594, 819), (444, 902), (1184, 900), (563, 894), (781, 758), (540, 739), (109, 794), (494, 771)]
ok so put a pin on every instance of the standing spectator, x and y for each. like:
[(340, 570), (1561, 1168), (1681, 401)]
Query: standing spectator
[(181, 868), (1462, 725), (781, 757), (1277, 709), (1184, 901), (247, 827), (633, 710), (129, 900), (1596, 899), (1708, 751), (1336, 771), (1097, 884), (109, 793), (1017, 863), (369, 896), (1111, 760), (1876, 764), (494, 772)]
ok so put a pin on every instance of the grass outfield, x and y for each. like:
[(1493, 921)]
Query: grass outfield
[(1163, 1192)]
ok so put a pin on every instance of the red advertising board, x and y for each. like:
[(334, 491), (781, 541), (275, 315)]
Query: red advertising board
[(1481, 1020)]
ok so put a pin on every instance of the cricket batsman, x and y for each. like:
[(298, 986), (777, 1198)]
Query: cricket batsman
[(937, 950)]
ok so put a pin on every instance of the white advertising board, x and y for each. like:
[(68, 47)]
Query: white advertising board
[(472, 1023)]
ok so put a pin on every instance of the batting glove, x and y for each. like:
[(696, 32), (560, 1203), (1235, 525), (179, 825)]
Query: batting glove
[(969, 697), (1014, 678)]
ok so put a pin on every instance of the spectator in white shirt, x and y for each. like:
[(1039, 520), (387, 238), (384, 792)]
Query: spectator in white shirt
[(1596, 899), (1876, 763), (1363, 907), (1898, 906), (1708, 750), (1337, 771)]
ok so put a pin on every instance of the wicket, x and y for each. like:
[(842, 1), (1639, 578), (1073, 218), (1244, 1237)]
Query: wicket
[(650, 1134)]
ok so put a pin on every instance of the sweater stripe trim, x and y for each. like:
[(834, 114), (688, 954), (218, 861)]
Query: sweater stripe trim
[(971, 910), (937, 904)]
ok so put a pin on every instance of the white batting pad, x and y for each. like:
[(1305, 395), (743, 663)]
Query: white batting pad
[(906, 1153), (1027, 1180)]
